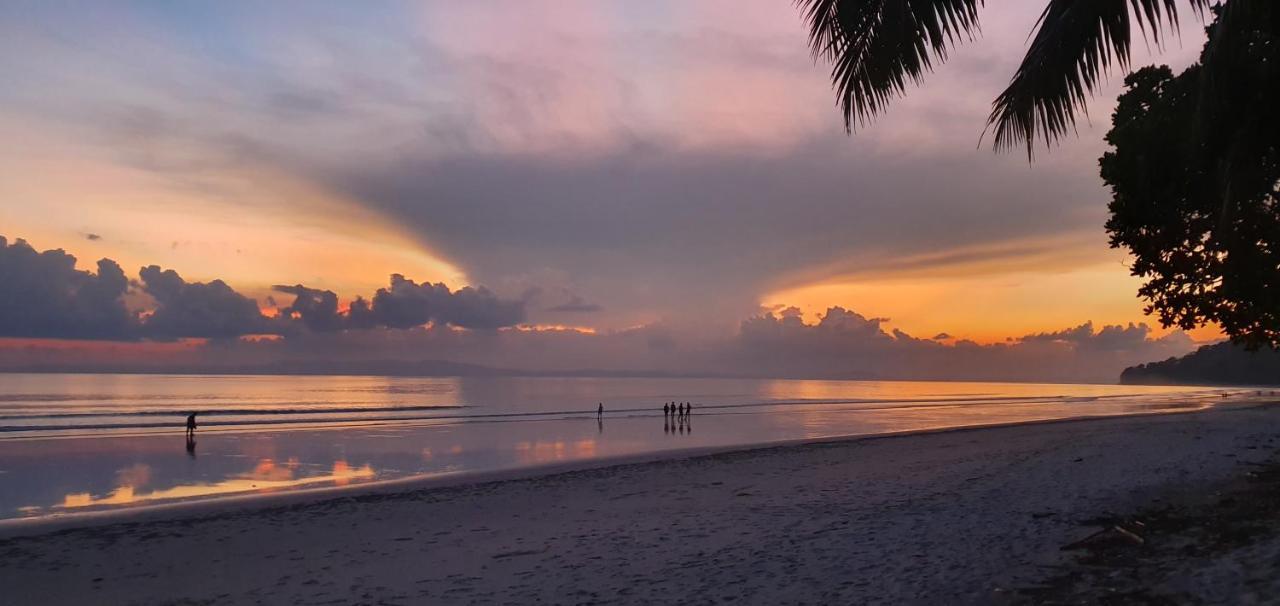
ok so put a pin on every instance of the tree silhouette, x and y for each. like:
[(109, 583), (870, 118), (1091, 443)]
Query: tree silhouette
[(1193, 173)]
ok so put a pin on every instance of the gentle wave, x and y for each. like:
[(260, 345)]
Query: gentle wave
[(226, 411), (183, 411), (65, 421)]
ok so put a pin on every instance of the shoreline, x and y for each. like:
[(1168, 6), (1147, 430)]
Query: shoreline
[(248, 502)]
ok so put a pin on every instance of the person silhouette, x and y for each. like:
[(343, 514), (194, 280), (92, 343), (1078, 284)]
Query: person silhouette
[(600, 411), (688, 408), (666, 411), (191, 425)]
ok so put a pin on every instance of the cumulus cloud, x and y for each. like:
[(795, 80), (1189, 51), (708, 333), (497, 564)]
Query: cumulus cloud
[(842, 344), (45, 296), (845, 344), (42, 294), (198, 309), (316, 309), (404, 304), (1130, 337)]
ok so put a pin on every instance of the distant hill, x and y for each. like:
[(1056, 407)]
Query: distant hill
[(1219, 364)]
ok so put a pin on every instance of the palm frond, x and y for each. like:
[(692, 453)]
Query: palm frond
[(876, 46), (1075, 44)]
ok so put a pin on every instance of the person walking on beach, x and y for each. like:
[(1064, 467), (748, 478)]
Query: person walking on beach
[(600, 411), (666, 410), (191, 425)]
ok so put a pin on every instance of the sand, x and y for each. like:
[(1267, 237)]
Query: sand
[(963, 516)]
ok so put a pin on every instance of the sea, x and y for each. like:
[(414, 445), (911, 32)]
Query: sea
[(72, 444)]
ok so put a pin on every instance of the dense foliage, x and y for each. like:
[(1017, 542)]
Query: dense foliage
[(1194, 172), (1220, 364)]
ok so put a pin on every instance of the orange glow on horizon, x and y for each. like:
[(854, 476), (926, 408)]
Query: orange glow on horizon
[(555, 328), (986, 308), (94, 346), (320, 238)]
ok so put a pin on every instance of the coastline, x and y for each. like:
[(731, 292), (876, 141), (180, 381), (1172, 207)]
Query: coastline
[(247, 502), (964, 513)]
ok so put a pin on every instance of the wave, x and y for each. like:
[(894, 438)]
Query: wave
[(250, 417), (183, 412)]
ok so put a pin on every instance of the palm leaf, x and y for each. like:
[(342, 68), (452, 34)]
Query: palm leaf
[(876, 46), (1075, 43)]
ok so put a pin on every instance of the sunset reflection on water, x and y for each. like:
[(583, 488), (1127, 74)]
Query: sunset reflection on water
[(493, 431), (559, 450), (265, 476)]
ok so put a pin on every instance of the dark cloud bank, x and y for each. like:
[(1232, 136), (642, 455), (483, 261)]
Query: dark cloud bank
[(411, 328), (45, 296)]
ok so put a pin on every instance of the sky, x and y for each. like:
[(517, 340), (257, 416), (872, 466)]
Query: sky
[(554, 185)]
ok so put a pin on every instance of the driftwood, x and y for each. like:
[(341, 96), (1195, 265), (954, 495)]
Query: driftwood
[(1111, 536)]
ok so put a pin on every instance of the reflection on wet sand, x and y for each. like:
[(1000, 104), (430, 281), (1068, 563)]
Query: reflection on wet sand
[(265, 476), (547, 451)]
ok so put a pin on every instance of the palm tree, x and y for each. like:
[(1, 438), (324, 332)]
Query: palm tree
[(876, 46)]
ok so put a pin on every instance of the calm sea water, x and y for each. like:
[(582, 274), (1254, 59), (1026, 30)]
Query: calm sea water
[(75, 443)]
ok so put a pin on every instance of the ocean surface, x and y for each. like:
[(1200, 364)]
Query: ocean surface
[(79, 442)]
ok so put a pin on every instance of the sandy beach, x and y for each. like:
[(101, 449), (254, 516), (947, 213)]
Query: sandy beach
[(962, 516)]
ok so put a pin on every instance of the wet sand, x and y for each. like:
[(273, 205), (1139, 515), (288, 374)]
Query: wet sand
[(961, 516)]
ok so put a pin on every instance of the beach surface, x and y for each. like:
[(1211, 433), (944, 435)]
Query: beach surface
[(959, 516)]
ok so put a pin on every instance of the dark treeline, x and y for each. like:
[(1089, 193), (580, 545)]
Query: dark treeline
[(1220, 364)]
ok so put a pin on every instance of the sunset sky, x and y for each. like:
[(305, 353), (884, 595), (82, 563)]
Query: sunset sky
[(610, 165)]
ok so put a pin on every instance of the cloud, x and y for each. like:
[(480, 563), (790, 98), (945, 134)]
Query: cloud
[(198, 309), (647, 158), (45, 296), (845, 344), (842, 344), (1111, 338), (644, 229), (575, 304), (92, 237), (316, 309), (42, 294), (406, 304), (604, 149)]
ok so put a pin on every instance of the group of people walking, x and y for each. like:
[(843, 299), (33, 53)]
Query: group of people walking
[(679, 411), (676, 417)]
